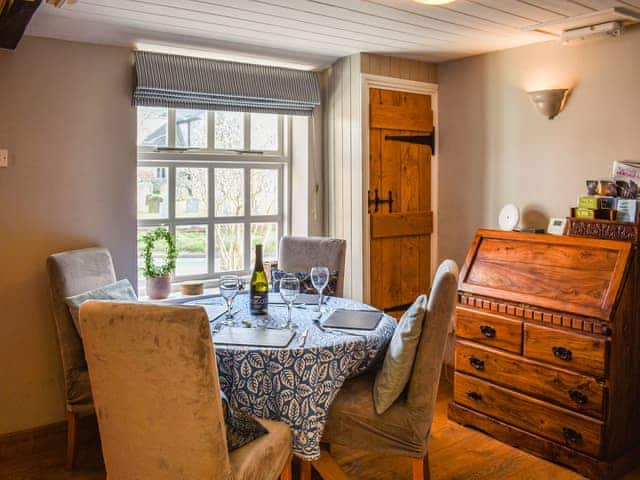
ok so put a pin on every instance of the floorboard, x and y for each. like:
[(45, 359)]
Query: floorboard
[(455, 453)]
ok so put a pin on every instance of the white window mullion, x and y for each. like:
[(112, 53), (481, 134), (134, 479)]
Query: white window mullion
[(172, 204), (171, 128), (247, 131), (247, 217), (211, 244), (211, 126)]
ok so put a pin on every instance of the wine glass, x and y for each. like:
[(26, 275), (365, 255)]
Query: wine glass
[(320, 279), (289, 289), (229, 286)]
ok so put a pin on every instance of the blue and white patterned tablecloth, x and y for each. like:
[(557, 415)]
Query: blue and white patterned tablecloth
[(297, 384)]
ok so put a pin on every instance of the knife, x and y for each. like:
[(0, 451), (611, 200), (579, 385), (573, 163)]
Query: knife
[(303, 339)]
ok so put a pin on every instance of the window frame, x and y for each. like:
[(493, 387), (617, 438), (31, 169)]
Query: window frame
[(172, 157), (284, 124)]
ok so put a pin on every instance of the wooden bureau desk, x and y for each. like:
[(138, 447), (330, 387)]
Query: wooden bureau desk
[(548, 348)]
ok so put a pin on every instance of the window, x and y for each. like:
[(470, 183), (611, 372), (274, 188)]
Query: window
[(216, 180)]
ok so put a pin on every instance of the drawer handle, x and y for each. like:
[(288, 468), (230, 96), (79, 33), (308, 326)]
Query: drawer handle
[(474, 395), (578, 397), (488, 331), (476, 363), (562, 353), (571, 435)]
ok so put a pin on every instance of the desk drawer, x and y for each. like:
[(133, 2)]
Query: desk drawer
[(566, 389), (581, 353), (572, 429), (489, 329)]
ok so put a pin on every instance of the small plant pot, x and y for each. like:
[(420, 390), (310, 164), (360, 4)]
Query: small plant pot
[(159, 287)]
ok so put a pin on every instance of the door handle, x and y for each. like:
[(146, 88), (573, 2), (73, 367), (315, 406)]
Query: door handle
[(377, 201)]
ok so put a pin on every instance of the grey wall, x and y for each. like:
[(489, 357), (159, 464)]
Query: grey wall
[(496, 148), (67, 120)]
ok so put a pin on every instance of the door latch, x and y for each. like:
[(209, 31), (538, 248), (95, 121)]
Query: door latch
[(376, 201)]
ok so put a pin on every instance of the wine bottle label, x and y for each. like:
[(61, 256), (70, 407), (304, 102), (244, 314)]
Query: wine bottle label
[(259, 303)]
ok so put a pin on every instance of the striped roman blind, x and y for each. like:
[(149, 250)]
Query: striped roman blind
[(187, 82)]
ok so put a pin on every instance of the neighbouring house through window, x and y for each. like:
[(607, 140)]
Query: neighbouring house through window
[(218, 181)]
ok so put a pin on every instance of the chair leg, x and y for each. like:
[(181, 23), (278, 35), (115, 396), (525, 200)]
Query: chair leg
[(305, 470), (71, 440), (286, 471), (420, 468)]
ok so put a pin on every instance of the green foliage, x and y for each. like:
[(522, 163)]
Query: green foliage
[(150, 269)]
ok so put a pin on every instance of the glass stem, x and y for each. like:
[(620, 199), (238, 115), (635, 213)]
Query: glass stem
[(289, 314), (228, 308), (320, 300)]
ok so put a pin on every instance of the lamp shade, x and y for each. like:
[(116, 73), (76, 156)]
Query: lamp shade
[(549, 102)]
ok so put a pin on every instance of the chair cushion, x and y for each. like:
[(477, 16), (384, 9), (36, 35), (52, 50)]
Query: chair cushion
[(265, 457), (353, 422), (395, 372), (241, 428), (120, 290), (392, 378), (306, 285)]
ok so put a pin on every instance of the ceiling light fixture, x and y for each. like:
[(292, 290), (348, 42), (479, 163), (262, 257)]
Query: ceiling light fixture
[(434, 2)]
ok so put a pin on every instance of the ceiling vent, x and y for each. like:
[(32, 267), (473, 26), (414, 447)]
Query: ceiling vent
[(603, 23)]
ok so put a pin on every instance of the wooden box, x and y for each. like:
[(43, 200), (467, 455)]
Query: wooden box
[(548, 348)]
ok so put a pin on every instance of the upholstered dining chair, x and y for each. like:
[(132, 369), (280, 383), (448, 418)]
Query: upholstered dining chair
[(301, 254), (403, 429), (71, 273), (157, 396)]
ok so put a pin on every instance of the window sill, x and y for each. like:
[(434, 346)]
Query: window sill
[(178, 297)]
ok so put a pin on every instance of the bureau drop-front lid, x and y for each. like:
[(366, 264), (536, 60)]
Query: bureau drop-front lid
[(572, 274)]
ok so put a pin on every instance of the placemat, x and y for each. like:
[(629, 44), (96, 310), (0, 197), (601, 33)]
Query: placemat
[(254, 337), (353, 319)]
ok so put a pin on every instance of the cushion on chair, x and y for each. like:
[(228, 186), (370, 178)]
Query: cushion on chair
[(395, 372), (354, 423), (265, 457), (241, 428), (120, 290), (306, 285)]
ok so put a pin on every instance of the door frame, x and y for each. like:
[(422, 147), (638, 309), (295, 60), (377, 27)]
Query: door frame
[(368, 81)]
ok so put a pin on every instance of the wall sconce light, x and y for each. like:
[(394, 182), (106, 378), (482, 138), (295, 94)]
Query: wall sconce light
[(549, 102)]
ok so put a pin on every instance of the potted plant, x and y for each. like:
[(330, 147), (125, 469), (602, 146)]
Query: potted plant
[(158, 276)]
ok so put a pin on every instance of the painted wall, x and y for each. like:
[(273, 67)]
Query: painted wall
[(495, 148), (67, 120)]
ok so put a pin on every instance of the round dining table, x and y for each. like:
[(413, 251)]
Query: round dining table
[(297, 383)]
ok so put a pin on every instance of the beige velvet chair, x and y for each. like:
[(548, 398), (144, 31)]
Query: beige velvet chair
[(71, 273), (404, 428), (155, 386), (301, 254)]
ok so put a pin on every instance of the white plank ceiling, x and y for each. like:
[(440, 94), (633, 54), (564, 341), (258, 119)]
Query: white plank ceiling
[(312, 33)]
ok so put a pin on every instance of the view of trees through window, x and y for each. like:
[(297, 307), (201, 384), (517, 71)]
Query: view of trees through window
[(218, 205)]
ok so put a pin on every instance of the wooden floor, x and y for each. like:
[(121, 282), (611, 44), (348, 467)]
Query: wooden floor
[(455, 453)]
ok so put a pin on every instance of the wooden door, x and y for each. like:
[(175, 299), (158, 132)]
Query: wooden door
[(399, 167)]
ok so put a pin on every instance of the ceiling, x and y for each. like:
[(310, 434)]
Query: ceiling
[(312, 33)]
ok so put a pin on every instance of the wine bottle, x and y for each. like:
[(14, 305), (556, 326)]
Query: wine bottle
[(259, 287)]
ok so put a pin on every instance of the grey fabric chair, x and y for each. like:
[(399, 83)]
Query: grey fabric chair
[(157, 395), (404, 428), (301, 254), (71, 273)]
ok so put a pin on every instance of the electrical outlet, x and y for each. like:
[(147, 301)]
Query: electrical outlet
[(4, 158)]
